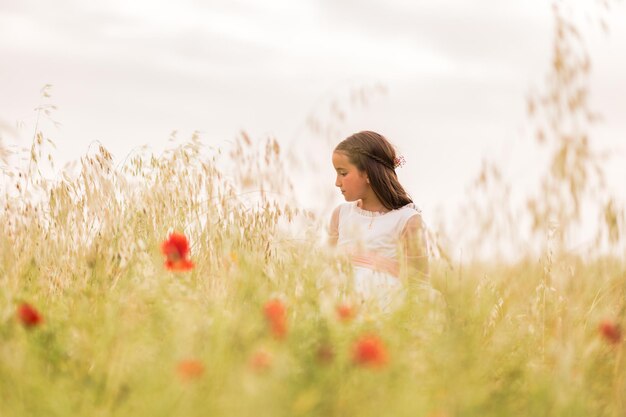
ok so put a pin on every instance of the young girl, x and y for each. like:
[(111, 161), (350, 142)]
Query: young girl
[(379, 227)]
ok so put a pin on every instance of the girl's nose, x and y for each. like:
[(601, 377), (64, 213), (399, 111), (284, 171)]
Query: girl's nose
[(337, 183)]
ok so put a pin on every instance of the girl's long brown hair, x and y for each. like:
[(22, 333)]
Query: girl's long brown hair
[(372, 153)]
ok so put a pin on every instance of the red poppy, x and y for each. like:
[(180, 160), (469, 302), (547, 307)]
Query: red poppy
[(611, 331), (325, 353), (260, 361), (176, 251), (189, 369), (28, 315), (276, 315), (369, 350), (346, 312)]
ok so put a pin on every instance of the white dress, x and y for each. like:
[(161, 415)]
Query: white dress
[(371, 240)]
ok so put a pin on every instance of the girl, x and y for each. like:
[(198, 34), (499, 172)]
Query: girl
[(379, 227)]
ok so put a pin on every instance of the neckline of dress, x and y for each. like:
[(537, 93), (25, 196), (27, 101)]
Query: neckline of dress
[(378, 213)]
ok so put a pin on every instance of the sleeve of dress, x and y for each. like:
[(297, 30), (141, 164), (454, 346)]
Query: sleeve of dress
[(333, 232), (415, 248)]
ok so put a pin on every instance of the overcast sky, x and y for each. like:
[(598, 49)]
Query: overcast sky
[(446, 80)]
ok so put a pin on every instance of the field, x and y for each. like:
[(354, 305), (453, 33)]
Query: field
[(99, 317)]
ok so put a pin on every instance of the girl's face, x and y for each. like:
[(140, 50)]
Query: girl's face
[(351, 181)]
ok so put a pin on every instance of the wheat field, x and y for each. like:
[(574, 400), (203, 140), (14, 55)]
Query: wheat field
[(99, 318)]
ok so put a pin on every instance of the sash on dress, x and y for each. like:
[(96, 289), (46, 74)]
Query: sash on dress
[(376, 262)]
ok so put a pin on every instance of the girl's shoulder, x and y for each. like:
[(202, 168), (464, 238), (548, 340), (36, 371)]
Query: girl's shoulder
[(409, 210), (409, 214), (344, 208), (341, 208)]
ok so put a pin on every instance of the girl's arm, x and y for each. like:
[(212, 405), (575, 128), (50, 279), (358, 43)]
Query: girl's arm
[(415, 248), (333, 234)]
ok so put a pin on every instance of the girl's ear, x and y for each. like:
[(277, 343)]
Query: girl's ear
[(367, 180)]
